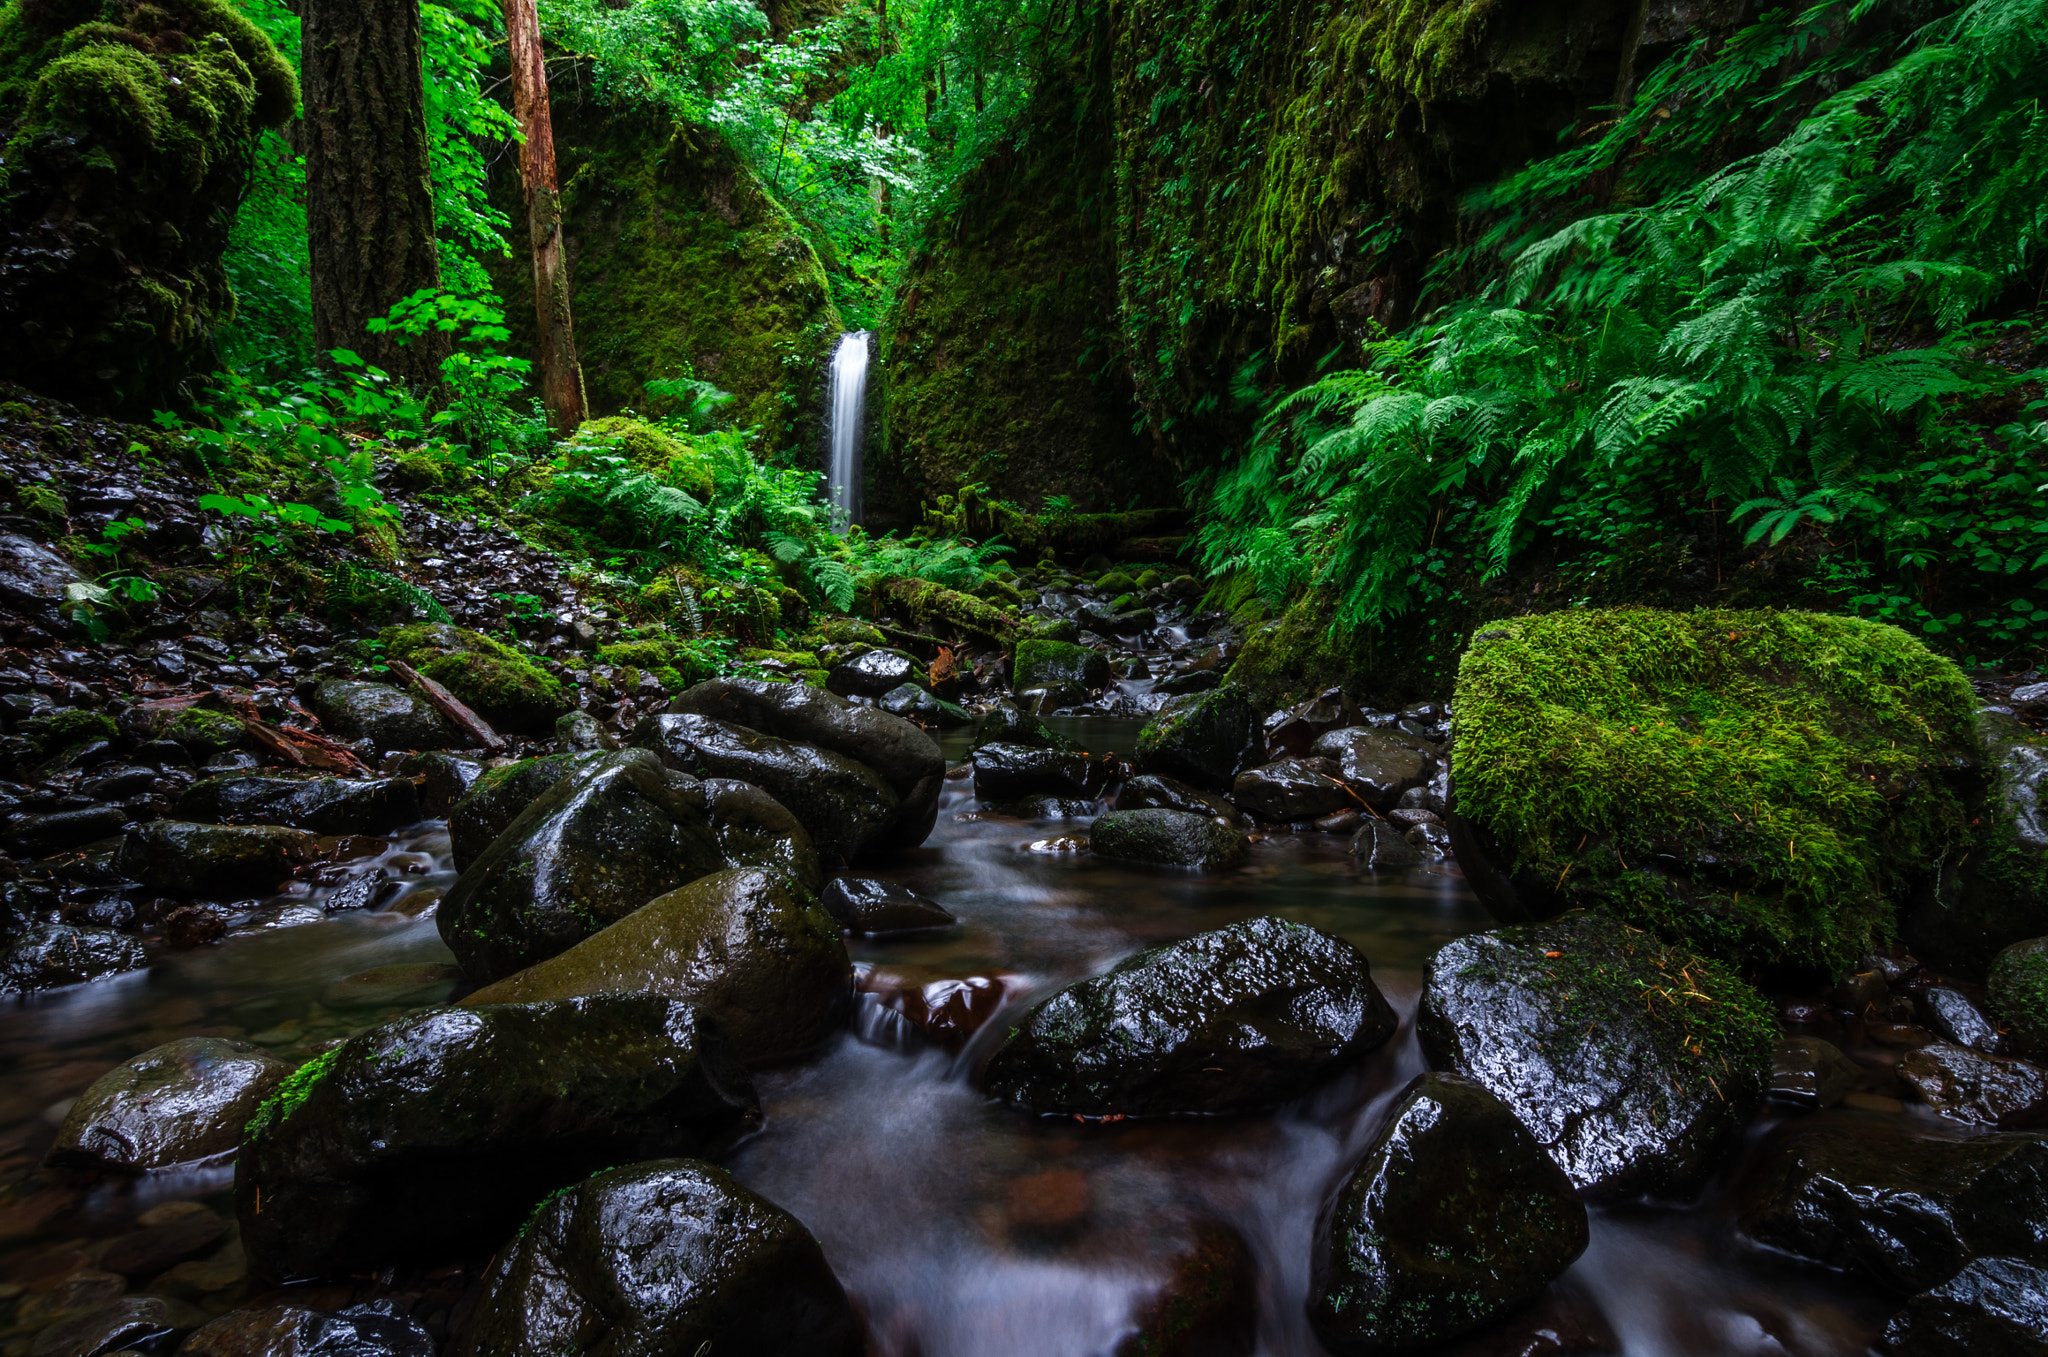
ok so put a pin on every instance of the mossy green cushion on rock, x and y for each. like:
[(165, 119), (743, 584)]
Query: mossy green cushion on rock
[(502, 685), (1758, 785), (1048, 664)]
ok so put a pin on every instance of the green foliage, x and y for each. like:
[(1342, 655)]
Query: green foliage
[(352, 588), (293, 1091)]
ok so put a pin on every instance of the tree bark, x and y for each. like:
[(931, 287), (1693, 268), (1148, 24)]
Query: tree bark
[(561, 378), (369, 200)]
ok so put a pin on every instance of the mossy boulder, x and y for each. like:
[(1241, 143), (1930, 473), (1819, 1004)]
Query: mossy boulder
[(2017, 987), (131, 133), (1760, 786), (215, 861), (388, 717), (498, 796), (2000, 895), (1202, 738), (1053, 664), (646, 448), (56, 731), (1161, 837), (502, 685), (203, 732)]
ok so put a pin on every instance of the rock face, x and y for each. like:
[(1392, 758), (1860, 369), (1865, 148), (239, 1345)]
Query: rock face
[(1567, 1024), (388, 717), (1201, 739), (1291, 789), (1003, 772), (1912, 1210), (669, 1259), (1455, 1215), (753, 829), (185, 1100), (215, 861), (845, 805), (1233, 1020), (748, 946), (1376, 764), (325, 805), (1995, 1307), (1758, 785), (373, 1329), (1053, 664), (1167, 838), (868, 906), (589, 852), (440, 1132)]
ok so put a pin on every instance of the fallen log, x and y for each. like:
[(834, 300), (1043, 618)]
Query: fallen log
[(452, 707)]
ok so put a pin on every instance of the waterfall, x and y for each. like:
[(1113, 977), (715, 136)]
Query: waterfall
[(846, 391)]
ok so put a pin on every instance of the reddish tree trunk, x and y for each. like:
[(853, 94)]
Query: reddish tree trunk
[(561, 379)]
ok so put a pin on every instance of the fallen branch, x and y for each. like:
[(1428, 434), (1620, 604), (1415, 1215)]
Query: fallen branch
[(452, 707)]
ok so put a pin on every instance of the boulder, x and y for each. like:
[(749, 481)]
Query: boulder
[(1756, 785), (665, 1259), (1635, 1063), (1004, 772), (1203, 739), (594, 848), (1954, 1015), (749, 946), (845, 805), (1811, 1074), (1379, 765), (443, 779), (39, 835), (52, 955), (1167, 838), (378, 1328), (438, 1133), (579, 732), (388, 717), (1149, 791), (1995, 1307), (872, 674), (493, 679), (187, 1099), (1291, 789), (497, 796), (214, 861), (1233, 1020), (1382, 846), (2017, 987), (1290, 733), (33, 580), (1965, 918), (130, 1324), (325, 805), (1455, 1216), (1053, 664), (1005, 724), (1909, 1208), (868, 906), (1981, 1090), (753, 829)]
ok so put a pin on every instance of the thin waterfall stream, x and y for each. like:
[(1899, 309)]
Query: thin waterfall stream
[(846, 397)]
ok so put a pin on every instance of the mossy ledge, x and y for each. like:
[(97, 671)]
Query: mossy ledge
[(1763, 787)]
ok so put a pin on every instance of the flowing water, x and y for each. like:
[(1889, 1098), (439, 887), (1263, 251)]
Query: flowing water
[(846, 398), (960, 1227)]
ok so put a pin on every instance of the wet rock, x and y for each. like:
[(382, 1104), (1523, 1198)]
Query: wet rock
[(1167, 838), (1055, 664), (33, 580), (1376, 764), (498, 796), (1981, 1090), (1291, 789), (51, 955), (325, 805), (1634, 1063), (373, 1329), (1455, 1216), (1203, 739), (1208, 1304), (869, 906), (388, 717), (1232, 1020), (157, 1248), (132, 1324), (1046, 808), (443, 780), (1995, 1307), (668, 1259), (943, 1009), (1005, 724), (215, 861), (194, 926), (1379, 845), (1291, 733), (1909, 1208), (579, 732), (1189, 683), (753, 829), (872, 674), (1165, 793), (913, 703), (1003, 772), (749, 946), (2017, 987), (38, 835), (591, 850), (1858, 990), (438, 1133), (187, 1099), (1966, 918), (845, 805), (1953, 1015), (1431, 842), (1811, 1074)]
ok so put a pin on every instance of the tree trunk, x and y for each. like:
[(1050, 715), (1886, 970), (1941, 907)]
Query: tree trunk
[(369, 201), (561, 379)]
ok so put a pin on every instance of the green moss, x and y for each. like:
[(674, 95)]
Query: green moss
[(649, 448), (675, 664), (1758, 785), (844, 631), (497, 681), (290, 1094), (1115, 582), (1150, 579), (53, 732), (2017, 986), (1044, 664), (203, 731), (44, 502)]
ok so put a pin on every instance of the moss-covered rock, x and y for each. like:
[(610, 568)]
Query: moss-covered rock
[(2017, 986), (675, 664), (53, 732), (504, 686), (1203, 738), (131, 132), (1051, 664), (2000, 895), (649, 448), (1758, 785)]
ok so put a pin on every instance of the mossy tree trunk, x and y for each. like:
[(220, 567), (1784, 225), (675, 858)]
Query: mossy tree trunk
[(369, 202), (561, 379)]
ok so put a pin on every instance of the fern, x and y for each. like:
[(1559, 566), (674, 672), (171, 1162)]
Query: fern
[(355, 588)]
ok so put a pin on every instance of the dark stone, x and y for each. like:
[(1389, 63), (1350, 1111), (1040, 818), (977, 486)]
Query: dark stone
[(1381, 846), (131, 1324), (146, 1252), (1189, 683), (871, 675), (845, 805), (869, 906), (1291, 789), (1964, 918), (51, 955), (37, 836), (33, 579), (187, 1099), (373, 1329), (580, 732), (1167, 838), (498, 796), (218, 862), (1203, 739), (753, 829), (1149, 792), (1004, 724), (1003, 772), (1058, 664), (1208, 1304), (1981, 1090), (1377, 764), (1455, 1216), (1290, 733), (325, 805), (1951, 1014), (912, 703), (1431, 842), (663, 1259), (438, 1133), (443, 780), (194, 926), (1911, 1209), (1233, 1020), (1047, 808), (1811, 1074), (1554, 1020), (594, 848), (388, 717), (1995, 1307), (751, 947)]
